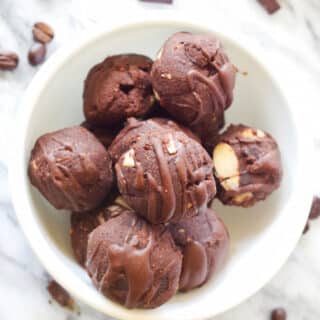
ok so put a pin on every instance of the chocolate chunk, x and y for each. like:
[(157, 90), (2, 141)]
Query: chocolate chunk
[(8, 60), (71, 169), (193, 80), (60, 295), (315, 208), (271, 6), (133, 262), (279, 314), (159, 1), (37, 54), (163, 173), (247, 165), (118, 88), (204, 242), (42, 32)]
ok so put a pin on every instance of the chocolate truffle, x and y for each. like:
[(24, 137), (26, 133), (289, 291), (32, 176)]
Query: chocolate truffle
[(118, 88), (194, 80), (133, 262), (71, 169), (204, 241), (247, 165), (164, 175), (103, 134)]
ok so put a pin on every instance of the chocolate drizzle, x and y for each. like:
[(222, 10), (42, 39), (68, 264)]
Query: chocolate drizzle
[(195, 266)]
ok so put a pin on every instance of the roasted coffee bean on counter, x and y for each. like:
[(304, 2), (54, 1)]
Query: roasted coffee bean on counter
[(60, 295), (279, 314), (42, 32), (37, 54), (8, 61), (271, 6)]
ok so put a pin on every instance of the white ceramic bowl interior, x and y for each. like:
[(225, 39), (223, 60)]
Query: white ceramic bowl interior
[(261, 237)]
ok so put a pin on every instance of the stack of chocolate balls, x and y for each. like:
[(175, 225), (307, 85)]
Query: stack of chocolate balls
[(140, 174)]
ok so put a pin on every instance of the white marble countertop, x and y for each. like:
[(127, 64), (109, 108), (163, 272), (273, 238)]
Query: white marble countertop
[(291, 42)]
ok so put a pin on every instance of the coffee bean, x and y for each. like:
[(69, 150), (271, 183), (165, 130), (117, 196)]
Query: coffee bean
[(315, 208), (270, 5), (42, 32), (37, 54), (8, 60), (279, 314)]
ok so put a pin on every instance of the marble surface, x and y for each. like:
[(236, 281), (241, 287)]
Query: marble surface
[(290, 41)]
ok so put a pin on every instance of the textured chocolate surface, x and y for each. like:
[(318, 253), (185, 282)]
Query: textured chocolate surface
[(118, 88), (258, 172), (132, 262), (194, 80), (163, 174), (204, 241), (71, 169)]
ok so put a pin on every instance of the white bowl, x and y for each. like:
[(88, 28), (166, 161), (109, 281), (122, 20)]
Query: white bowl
[(261, 237)]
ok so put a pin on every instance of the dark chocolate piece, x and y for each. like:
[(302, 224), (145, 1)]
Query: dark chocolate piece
[(132, 262), (193, 79), (271, 6), (118, 88), (247, 165), (60, 295), (204, 241), (71, 169), (8, 61), (315, 208), (163, 174)]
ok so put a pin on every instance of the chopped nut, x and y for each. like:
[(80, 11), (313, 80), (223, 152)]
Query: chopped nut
[(119, 200), (159, 53), (128, 159), (251, 134), (171, 145), (101, 218), (156, 95), (260, 133), (189, 205), (240, 198), (166, 76), (181, 230), (226, 165)]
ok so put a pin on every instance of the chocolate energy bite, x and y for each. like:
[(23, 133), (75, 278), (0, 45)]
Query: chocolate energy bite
[(164, 175), (118, 88), (204, 241), (71, 169), (133, 262), (247, 165), (193, 79)]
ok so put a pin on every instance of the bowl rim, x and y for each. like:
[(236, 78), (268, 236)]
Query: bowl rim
[(18, 185)]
